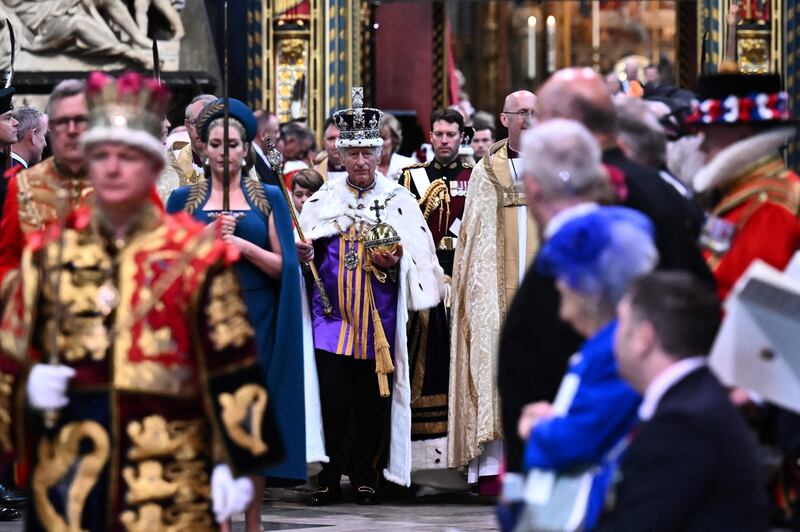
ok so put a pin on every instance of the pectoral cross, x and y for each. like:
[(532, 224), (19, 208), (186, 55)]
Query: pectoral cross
[(377, 208)]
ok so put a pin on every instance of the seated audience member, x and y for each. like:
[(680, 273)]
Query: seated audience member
[(693, 463), (304, 183), (593, 257)]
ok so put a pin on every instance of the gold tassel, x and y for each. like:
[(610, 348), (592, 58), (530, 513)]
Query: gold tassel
[(383, 355)]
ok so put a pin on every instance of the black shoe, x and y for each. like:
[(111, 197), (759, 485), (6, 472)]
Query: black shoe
[(366, 495), (324, 496), (9, 497), (9, 514)]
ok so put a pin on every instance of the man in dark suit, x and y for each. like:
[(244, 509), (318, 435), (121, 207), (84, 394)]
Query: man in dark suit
[(268, 128), (693, 463)]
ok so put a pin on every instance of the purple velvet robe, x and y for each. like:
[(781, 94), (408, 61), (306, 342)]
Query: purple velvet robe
[(349, 329)]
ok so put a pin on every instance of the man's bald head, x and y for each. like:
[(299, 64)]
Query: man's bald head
[(519, 114), (578, 94)]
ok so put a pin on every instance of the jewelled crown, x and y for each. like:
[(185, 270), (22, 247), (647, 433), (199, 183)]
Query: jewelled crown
[(358, 126), (129, 110)]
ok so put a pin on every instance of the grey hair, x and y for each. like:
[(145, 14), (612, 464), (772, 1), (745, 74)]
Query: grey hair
[(28, 118), (378, 150), (629, 254), (565, 160), (638, 128), (65, 89), (204, 98)]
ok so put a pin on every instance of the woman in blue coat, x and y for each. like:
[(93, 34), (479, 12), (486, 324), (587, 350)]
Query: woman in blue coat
[(593, 257), (259, 226)]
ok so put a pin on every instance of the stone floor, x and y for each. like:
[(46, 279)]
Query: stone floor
[(286, 510)]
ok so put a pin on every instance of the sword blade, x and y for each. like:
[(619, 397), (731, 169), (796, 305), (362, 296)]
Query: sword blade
[(156, 62), (226, 173)]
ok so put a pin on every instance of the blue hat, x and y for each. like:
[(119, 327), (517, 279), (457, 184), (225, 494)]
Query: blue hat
[(577, 248), (237, 110)]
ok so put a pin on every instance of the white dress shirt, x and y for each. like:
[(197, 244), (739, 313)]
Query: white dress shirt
[(666, 380)]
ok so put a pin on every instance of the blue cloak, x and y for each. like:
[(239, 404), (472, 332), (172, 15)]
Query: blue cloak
[(274, 309)]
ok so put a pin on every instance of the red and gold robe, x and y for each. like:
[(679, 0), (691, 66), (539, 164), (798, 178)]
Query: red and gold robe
[(30, 205), (757, 218), (167, 382)]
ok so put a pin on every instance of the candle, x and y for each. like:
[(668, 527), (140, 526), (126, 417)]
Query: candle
[(551, 43), (531, 47), (596, 25)]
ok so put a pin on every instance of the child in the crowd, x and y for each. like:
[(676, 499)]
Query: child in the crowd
[(304, 184)]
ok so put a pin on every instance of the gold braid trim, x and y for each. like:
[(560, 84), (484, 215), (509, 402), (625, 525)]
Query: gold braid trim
[(197, 195), (436, 196), (255, 191)]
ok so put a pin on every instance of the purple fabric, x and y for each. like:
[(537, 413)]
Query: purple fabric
[(348, 330)]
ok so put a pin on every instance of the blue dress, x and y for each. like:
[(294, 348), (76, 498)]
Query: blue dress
[(272, 306), (602, 412)]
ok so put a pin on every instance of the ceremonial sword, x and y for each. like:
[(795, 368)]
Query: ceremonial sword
[(226, 173)]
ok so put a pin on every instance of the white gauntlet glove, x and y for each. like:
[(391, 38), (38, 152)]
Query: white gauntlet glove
[(228, 495), (47, 386)]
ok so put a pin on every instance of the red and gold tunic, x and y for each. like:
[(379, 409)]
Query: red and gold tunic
[(156, 329), (30, 205), (757, 218)]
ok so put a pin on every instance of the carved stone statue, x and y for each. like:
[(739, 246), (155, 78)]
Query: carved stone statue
[(71, 33), (167, 8), (78, 27)]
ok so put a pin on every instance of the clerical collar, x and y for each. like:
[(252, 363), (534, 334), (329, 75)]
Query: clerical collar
[(453, 164), (333, 168), (512, 153), (359, 189), (66, 172)]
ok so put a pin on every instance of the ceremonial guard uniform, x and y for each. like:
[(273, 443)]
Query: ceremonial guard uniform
[(153, 327), (441, 192), (757, 214), (31, 205), (364, 330), (6, 161), (756, 217)]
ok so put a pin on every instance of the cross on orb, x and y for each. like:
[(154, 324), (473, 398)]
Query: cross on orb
[(377, 208)]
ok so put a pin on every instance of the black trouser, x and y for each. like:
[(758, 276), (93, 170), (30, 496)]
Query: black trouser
[(355, 419)]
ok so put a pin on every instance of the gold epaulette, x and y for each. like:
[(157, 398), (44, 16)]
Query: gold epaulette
[(406, 175)]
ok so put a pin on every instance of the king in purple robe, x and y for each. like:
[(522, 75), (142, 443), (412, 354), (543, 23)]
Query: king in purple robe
[(352, 225)]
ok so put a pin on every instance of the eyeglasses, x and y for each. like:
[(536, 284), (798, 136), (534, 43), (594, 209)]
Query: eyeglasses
[(524, 114), (62, 124)]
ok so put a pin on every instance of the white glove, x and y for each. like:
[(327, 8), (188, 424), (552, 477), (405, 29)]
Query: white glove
[(228, 495), (47, 386)]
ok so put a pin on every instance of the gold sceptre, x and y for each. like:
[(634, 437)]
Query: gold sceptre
[(274, 158), (50, 416)]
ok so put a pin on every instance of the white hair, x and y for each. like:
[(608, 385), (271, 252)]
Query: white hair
[(564, 159)]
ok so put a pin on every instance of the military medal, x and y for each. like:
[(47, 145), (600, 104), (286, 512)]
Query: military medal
[(717, 234)]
